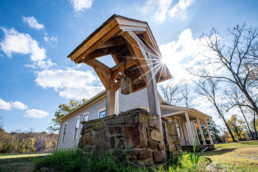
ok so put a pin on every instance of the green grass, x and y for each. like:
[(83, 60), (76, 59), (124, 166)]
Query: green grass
[(241, 156), (19, 162)]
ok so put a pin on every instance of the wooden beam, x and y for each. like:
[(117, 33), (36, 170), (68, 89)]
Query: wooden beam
[(121, 66), (88, 43), (117, 86), (115, 75), (118, 40), (106, 51), (111, 98), (95, 63), (103, 77), (139, 52), (97, 43)]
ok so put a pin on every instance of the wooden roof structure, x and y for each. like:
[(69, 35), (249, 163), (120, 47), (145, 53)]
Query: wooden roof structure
[(132, 46)]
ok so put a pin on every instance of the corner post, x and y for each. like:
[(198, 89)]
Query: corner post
[(208, 130), (190, 133), (201, 131)]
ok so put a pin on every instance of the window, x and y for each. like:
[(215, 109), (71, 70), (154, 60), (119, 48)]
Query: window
[(102, 113), (65, 126), (76, 128), (86, 117), (178, 128)]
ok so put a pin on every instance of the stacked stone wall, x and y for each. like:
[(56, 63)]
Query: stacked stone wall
[(135, 132)]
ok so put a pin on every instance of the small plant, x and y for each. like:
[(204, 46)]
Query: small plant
[(195, 158), (175, 162)]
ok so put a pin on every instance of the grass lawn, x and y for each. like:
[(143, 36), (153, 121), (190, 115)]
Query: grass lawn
[(241, 156), (19, 162)]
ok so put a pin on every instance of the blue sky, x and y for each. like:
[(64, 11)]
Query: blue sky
[(36, 37)]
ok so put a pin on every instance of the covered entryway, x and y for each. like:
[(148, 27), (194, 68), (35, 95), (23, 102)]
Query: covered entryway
[(191, 124)]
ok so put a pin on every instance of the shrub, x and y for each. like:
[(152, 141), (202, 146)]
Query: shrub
[(76, 160)]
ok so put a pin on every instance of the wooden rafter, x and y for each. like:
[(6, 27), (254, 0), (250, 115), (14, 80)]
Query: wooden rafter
[(121, 66), (97, 43), (116, 41), (95, 63)]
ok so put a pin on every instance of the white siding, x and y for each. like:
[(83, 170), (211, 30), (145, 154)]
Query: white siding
[(133, 100), (69, 141), (126, 102)]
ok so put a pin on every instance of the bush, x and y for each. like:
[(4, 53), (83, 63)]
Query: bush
[(76, 160)]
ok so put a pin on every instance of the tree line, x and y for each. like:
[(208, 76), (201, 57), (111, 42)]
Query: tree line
[(27, 142)]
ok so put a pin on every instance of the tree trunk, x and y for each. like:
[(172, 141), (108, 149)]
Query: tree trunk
[(250, 100), (247, 123), (255, 131), (229, 130)]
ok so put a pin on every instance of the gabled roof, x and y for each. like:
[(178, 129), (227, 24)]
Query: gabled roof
[(133, 48)]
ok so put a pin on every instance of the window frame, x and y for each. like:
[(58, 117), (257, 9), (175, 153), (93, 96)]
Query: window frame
[(83, 117), (75, 128), (64, 131), (178, 127), (101, 110)]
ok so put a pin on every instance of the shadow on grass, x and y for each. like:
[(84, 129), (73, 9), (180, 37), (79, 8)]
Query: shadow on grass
[(218, 151), (23, 164)]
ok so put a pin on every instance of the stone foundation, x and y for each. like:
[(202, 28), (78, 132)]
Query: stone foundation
[(135, 132)]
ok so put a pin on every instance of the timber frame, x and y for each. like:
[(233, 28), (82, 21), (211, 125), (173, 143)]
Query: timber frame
[(132, 46)]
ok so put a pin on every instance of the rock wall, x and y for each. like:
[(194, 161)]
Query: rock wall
[(135, 132)]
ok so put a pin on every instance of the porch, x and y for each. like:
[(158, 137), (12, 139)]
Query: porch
[(191, 125)]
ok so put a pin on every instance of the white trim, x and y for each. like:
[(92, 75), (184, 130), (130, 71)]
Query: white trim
[(75, 136), (102, 109), (86, 113), (64, 131), (189, 110), (117, 102), (143, 107), (171, 114)]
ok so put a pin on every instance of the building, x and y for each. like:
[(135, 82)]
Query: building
[(136, 72), (94, 108)]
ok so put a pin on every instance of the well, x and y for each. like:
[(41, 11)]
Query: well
[(135, 132)]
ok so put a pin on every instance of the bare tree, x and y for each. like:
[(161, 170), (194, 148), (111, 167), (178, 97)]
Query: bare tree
[(238, 59), (234, 98), (171, 93), (209, 89), (186, 97)]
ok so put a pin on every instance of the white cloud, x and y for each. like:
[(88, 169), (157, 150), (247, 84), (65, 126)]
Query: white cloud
[(21, 43), (161, 9), (4, 105), (35, 113), (184, 53), (19, 105), (50, 38), (180, 7), (32, 22), (69, 83), (80, 5), (43, 64)]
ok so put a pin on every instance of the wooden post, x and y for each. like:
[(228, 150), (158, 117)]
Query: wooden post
[(111, 108), (182, 130), (190, 133), (153, 98), (208, 130), (196, 138), (201, 131)]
